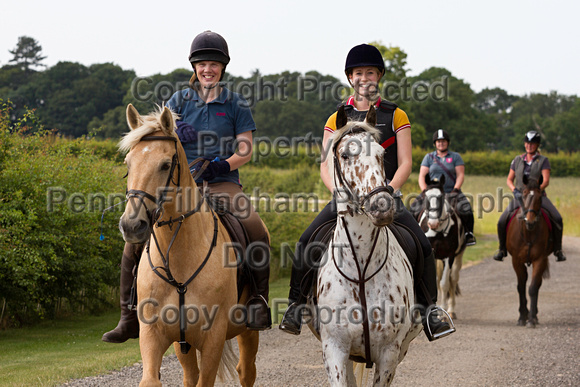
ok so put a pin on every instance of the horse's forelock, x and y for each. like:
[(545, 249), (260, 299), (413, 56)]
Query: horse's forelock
[(351, 125), (151, 124)]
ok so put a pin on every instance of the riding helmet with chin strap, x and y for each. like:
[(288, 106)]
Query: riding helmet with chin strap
[(209, 46), (533, 136), (364, 55), (441, 134)]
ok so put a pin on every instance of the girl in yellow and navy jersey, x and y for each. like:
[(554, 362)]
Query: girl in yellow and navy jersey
[(364, 68)]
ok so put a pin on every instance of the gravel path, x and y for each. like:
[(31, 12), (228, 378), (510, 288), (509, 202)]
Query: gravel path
[(488, 348)]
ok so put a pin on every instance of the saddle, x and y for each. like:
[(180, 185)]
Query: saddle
[(239, 239), (544, 213)]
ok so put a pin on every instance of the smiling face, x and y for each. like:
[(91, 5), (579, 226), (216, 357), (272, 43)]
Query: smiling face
[(208, 73), (365, 80), (442, 145), (531, 147)]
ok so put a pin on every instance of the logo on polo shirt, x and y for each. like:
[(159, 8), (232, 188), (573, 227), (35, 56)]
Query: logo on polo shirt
[(220, 114)]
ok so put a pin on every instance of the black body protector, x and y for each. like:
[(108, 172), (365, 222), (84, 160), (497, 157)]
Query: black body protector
[(385, 115)]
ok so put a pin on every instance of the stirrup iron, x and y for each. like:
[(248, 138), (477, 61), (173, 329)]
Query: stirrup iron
[(436, 309)]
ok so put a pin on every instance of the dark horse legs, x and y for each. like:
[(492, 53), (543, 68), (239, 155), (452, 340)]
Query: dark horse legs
[(529, 317)]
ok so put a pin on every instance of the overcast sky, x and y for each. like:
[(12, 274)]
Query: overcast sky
[(520, 46)]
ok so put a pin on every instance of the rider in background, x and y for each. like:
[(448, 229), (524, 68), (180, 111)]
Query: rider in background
[(443, 162), (535, 166), (364, 69), (225, 120)]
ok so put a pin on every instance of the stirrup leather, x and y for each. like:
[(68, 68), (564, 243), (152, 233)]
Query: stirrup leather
[(436, 310)]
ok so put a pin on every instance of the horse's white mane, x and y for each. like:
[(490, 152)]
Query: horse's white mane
[(150, 124)]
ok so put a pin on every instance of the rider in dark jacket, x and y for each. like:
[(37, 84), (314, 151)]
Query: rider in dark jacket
[(535, 166)]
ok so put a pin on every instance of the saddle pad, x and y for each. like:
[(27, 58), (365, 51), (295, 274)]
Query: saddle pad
[(545, 215)]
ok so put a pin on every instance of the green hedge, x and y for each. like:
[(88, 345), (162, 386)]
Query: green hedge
[(50, 252)]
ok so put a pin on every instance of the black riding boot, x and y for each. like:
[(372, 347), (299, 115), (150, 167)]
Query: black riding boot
[(259, 317), (501, 235), (300, 284), (557, 234), (128, 327), (434, 327)]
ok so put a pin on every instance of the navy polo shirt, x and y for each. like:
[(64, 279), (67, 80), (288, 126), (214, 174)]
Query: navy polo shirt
[(449, 161), (217, 123)]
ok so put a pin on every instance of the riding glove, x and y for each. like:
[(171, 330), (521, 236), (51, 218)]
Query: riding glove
[(186, 132), (214, 169), (518, 195)]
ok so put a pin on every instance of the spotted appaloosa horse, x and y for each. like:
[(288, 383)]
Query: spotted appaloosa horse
[(365, 282), (444, 229), (186, 283), (528, 242)]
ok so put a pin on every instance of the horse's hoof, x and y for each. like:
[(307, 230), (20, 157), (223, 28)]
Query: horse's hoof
[(453, 315), (530, 324), (521, 323), (534, 321)]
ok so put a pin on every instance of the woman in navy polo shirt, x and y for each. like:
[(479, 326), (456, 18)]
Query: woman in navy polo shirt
[(443, 162), (213, 123)]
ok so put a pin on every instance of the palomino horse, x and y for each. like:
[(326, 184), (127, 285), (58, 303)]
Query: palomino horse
[(186, 282), (528, 242), (365, 282), (444, 229)]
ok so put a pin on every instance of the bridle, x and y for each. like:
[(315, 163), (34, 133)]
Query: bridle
[(357, 204), (442, 220), (157, 213)]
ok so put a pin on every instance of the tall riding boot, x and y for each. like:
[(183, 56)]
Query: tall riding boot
[(300, 284), (501, 235), (258, 259), (128, 327), (434, 327), (557, 234)]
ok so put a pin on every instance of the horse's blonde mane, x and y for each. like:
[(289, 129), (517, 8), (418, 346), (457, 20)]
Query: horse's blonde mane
[(150, 124)]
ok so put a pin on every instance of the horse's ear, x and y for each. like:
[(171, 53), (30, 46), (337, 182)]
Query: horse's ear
[(167, 120), (133, 118), (540, 181), (427, 179), (371, 117), (341, 118), (442, 180), (526, 180)]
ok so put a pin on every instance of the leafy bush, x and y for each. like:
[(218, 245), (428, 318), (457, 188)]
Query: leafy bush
[(49, 224)]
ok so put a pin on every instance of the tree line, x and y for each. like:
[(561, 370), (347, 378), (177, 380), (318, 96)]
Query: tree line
[(79, 100)]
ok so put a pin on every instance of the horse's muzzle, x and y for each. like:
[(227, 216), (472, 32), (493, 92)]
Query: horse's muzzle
[(381, 209), (135, 230)]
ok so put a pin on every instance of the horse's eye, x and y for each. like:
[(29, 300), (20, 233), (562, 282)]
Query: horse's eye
[(165, 166), (344, 155)]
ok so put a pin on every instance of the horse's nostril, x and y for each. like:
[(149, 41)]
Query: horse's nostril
[(141, 226)]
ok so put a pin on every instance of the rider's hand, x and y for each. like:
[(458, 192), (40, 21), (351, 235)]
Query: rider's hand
[(456, 190), (185, 132), (214, 169), (518, 194)]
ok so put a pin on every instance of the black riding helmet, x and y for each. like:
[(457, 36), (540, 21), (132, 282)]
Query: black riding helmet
[(209, 46), (533, 136), (440, 134), (364, 55)]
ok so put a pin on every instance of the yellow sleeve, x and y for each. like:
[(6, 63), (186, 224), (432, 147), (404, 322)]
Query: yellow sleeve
[(400, 120), (331, 123)]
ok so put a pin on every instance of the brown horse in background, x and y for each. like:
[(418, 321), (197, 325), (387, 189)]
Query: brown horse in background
[(528, 242)]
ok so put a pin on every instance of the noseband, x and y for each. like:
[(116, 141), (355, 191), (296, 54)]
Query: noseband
[(358, 203)]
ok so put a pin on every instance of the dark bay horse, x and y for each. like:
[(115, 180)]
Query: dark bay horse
[(528, 242)]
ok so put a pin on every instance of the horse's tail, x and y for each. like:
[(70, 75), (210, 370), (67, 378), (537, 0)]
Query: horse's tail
[(227, 368), (546, 273), (361, 374)]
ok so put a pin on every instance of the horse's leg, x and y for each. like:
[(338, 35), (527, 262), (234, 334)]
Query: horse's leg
[(444, 285), (153, 345), (335, 356), (189, 364), (522, 274), (440, 268), (211, 353), (385, 368), (539, 266), (248, 343), (454, 284)]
